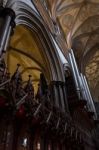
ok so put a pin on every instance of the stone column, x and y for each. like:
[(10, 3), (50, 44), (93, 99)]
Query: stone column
[(59, 96), (7, 24), (54, 94), (65, 98)]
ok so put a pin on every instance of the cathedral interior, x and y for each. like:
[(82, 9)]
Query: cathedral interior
[(49, 74)]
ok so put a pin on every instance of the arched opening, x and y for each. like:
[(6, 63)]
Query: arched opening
[(33, 48), (26, 49)]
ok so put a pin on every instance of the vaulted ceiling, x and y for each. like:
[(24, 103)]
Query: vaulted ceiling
[(79, 22)]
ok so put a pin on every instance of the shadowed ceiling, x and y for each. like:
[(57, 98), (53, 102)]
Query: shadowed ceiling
[(79, 21)]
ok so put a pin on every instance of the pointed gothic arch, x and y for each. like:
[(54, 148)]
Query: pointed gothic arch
[(27, 17)]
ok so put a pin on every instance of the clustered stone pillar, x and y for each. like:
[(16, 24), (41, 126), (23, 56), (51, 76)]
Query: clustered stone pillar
[(7, 24), (59, 95)]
